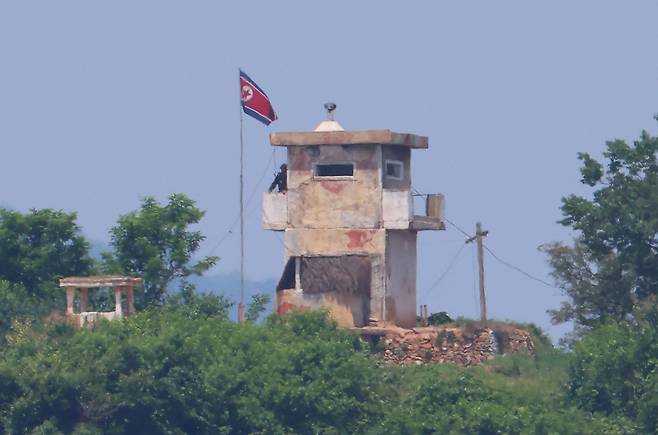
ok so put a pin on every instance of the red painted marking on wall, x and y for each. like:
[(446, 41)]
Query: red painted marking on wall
[(285, 307), (358, 238), (333, 186)]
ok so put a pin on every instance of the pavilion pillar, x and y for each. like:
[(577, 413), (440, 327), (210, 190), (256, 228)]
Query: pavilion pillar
[(70, 294), (117, 300), (84, 300), (130, 299)]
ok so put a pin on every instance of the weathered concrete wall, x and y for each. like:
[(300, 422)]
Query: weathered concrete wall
[(339, 283), (89, 319), (306, 242), (348, 310), (397, 209), (401, 277), (333, 241), (393, 264), (275, 211), (334, 202), (397, 153), (377, 287)]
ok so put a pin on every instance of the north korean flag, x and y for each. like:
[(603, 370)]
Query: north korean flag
[(254, 101)]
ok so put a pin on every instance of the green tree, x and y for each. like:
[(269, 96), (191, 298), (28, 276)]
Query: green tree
[(614, 368), (195, 305), (439, 399), (155, 242), (162, 371), (16, 303), (38, 247), (257, 306), (613, 264), (173, 371)]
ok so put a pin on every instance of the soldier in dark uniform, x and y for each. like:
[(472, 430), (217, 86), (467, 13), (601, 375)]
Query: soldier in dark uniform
[(280, 180)]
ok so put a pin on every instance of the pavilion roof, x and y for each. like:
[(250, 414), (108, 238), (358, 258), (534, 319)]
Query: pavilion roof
[(101, 281)]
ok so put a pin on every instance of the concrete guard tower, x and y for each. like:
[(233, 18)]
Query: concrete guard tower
[(349, 223)]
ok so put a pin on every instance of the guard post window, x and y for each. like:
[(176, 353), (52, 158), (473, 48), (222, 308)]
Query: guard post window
[(334, 170), (394, 169)]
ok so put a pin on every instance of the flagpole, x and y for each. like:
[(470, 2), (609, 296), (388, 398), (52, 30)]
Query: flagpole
[(241, 305)]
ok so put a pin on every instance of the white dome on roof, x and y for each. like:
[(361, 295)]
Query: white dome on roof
[(329, 125)]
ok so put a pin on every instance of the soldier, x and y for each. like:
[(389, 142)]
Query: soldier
[(280, 180)]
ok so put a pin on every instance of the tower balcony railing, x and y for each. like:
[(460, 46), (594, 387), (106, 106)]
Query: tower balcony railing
[(275, 211), (398, 211), (433, 218)]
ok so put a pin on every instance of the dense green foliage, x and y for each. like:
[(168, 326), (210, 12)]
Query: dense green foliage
[(155, 243), (516, 394), (257, 306), (615, 369), (610, 276), (614, 262), (166, 371), (439, 318), (163, 372), (17, 304), (195, 305), (38, 247)]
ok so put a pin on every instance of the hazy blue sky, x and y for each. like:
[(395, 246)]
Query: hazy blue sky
[(102, 103)]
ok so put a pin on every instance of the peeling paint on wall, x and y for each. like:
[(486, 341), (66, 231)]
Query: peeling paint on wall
[(333, 186), (333, 241), (358, 238)]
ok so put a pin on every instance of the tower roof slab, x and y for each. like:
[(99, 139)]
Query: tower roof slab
[(351, 137)]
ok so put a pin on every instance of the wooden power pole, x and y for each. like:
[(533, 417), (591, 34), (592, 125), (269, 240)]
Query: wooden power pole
[(479, 235)]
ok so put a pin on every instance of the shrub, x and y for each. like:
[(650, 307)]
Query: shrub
[(168, 370), (614, 369), (162, 371), (439, 318), (447, 399)]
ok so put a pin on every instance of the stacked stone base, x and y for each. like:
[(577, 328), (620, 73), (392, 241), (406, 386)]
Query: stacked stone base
[(461, 346)]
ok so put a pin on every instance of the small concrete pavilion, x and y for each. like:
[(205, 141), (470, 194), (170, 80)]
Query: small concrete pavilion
[(119, 284)]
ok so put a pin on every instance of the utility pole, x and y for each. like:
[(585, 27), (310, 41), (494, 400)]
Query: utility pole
[(479, 235)]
